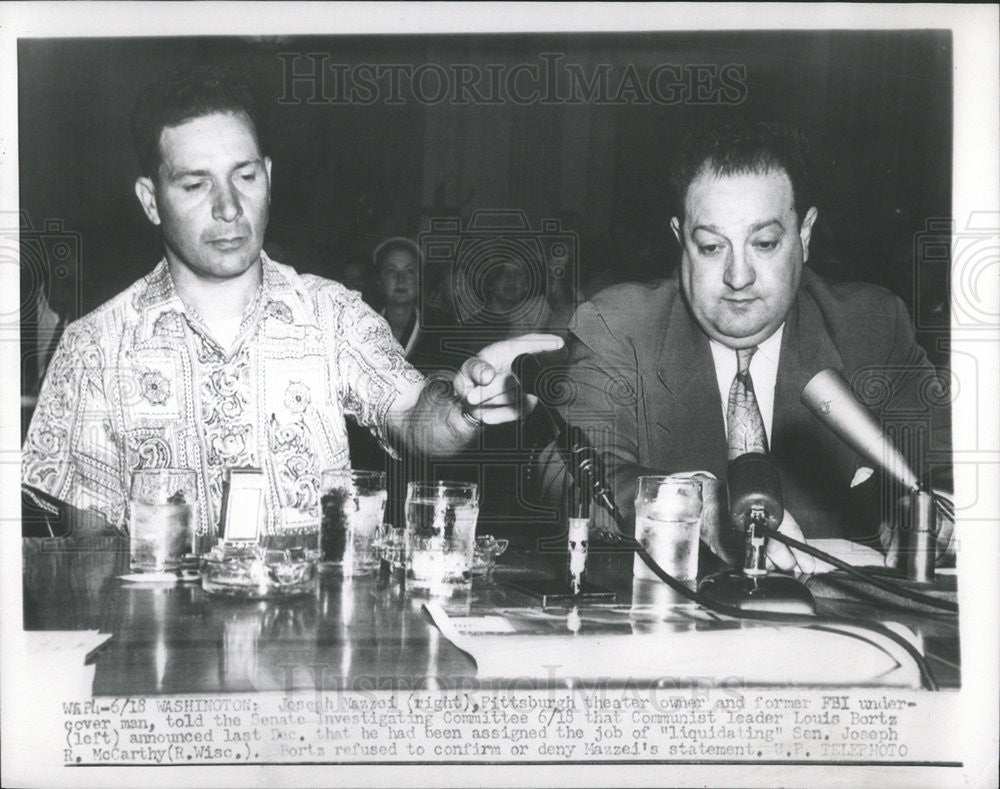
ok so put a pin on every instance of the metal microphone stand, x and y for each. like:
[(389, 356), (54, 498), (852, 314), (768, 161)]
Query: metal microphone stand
[(755, 505)]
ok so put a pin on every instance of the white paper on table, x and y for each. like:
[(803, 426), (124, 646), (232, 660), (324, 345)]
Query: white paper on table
[(159, 579), (60, 656), (850, 552), (482, 624), (758, 654)]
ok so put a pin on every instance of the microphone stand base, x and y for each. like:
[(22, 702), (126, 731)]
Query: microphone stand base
[(772, 592), (556, 594)]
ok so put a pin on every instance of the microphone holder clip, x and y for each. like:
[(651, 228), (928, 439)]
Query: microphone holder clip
[(755, 553)]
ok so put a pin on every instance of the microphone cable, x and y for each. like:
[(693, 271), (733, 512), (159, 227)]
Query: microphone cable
[(603, 497), (777, 617), (946, 507), (867, 577)]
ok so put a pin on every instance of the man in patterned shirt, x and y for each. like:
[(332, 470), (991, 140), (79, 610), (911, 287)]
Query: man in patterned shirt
[(221, 357)]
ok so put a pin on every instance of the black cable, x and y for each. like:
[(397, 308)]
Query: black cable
[(946, 507), (926, 675), (868, 578)]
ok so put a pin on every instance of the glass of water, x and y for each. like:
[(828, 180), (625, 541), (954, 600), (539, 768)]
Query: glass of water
[(353, 505), (440, 536), (163, 518), (667, 519)]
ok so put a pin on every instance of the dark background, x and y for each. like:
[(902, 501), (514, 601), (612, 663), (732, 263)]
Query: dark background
[(876, 105)]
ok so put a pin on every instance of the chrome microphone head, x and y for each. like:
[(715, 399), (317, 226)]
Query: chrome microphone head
[(830, 398)]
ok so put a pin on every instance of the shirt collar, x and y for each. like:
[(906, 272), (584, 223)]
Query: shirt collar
[(771, 347), (282, 296), (155, 299), (285, 294)]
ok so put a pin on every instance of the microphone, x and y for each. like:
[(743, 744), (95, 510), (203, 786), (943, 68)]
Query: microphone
[(527, 369), (755, 487), (581, 457), (755, 505), (589, 472), (830, 398)]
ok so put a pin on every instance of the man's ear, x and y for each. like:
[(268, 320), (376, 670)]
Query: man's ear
[(267, 167), (145, 190), (675, 225), (805, 232)]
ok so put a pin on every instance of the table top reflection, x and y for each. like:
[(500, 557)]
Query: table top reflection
[(360, 634)]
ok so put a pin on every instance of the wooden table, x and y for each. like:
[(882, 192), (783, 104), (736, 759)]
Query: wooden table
[(357, 635)]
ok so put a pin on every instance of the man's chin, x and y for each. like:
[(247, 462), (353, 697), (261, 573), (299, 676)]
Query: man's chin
[(740, 336), (232, 270), (235, 263)]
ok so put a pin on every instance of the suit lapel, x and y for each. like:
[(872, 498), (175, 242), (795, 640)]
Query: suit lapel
[(806, 348), (687, 411), (816, 466)]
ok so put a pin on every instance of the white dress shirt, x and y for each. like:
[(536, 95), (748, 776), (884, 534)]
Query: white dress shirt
[(763, 371)]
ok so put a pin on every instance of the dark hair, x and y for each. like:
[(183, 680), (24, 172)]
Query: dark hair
[(181, 95), (394, 244), (740, 149)]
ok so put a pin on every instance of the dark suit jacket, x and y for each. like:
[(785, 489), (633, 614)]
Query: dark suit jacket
[(642, 382)]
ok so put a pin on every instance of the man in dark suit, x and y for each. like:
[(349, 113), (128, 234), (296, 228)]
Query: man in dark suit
[(661, 375)]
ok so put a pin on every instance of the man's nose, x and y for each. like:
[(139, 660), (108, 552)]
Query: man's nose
[(226, 205), (739, 271)]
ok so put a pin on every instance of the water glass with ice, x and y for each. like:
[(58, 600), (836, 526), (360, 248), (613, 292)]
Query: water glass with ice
[(667, 518), (163, 518), (353, 505), (440, 537)]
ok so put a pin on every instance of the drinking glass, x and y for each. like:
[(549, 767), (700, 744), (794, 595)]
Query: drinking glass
[(163, 518), (440, 536), (353, 504), (667, 518)]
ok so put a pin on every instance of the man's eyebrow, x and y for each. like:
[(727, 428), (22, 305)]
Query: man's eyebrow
[(766, 223), (178, 174), (756, 226)]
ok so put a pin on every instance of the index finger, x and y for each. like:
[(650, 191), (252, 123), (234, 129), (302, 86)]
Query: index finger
[(540, 341), (502, 354)]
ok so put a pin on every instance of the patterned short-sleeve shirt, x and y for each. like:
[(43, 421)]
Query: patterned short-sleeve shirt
[(140, 383)]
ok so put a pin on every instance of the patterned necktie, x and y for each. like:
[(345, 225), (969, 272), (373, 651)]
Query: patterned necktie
[(746, 425)]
